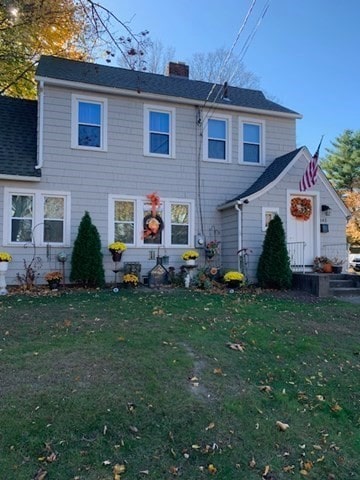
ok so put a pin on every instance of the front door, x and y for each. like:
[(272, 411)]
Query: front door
[(301, 231)]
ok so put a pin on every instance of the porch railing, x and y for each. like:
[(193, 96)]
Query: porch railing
[(338, 251), (296, 251)]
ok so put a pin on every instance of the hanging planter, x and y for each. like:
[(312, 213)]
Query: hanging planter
[(301, 208)]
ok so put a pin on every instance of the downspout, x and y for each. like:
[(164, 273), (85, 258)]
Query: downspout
[(40, 157), (238, 207)]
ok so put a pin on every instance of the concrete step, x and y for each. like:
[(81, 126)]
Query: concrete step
[(345, 292), (340, 283)]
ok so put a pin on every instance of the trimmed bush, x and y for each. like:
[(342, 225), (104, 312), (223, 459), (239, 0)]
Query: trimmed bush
[(87, 259), (274, 264)]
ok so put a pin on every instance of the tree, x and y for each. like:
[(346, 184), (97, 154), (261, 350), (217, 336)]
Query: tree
[(78, 29), (274, 264), (217, 67), (86, 261), (342, 164), (352, 201)]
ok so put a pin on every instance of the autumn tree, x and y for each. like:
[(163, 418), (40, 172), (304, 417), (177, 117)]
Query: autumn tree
[(342, 164), (77, 29), (352, 201)]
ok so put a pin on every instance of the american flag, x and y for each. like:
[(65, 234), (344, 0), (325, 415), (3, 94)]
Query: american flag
[(310, 175)]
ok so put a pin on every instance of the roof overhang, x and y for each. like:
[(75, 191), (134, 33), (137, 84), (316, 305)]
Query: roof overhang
[(20, 178), (158, 97)]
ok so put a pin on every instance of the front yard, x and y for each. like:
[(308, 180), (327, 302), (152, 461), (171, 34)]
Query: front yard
[(157, 385)]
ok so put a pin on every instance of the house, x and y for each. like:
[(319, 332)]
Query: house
[(222, 160)]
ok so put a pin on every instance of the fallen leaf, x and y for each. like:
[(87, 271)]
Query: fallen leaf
[(195, 446), (212, 469), (252, 463), (289, 468), (133, 429), (40, 474), (265, 388), (336, 408), (119, 468), (308, 465), (282, 426), (144, 472), (210, 426), (303, 472), (218, 371), (106, 462), (174, 470), (236, 346)]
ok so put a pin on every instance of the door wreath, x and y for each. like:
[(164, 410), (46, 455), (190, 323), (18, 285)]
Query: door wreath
[(301, 208)]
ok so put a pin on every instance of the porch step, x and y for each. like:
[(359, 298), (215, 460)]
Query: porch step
[(342, 286), (345, 292), (338, 283)]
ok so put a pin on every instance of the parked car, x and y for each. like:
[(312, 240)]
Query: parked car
[(354, 258)]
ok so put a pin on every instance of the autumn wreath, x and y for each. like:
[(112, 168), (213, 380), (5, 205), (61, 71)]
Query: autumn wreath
[(301, 208)]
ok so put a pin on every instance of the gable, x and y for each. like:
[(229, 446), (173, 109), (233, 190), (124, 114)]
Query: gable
[(276, 171), (18, 150)]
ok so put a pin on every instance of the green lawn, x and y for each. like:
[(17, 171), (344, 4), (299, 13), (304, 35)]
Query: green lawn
[(148, 380)]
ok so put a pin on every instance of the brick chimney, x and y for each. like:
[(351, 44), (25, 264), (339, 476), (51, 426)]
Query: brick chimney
[(179, 69)]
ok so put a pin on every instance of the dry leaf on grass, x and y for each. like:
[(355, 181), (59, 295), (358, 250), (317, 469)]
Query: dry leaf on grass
[(236, 346), (40, 474), (265, 388), (282, 426), (210, 426)]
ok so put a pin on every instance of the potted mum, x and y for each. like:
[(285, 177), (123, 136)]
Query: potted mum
[(131, 279), (233, 279), (5, 258), (53, 279), (116, 249), (190, 256), (337, 264)]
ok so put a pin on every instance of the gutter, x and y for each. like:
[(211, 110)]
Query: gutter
[(40, 159), (166, 98), (20, 178)]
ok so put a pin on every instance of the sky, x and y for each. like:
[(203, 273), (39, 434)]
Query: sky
[(305, 52)]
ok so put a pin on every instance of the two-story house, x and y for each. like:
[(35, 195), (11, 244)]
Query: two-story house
[(223, 161)]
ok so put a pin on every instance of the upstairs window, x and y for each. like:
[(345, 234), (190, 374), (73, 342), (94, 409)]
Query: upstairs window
[(252, 143), (88, 123), (159, 132), (217, 139)]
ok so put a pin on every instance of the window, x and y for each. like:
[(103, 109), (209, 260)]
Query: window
[(37, 216), (179, 224), (124, 221), (252, 142), (54, 215), (159, 132), (129, 217), (88, 123), (22, 211), (268, 213), (217, 139)]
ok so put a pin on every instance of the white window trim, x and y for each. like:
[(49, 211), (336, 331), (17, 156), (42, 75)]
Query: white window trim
[(172, 122), (228, 140), (265, 210), (75, 99), (38, 216), (260, 123), (139, 217)]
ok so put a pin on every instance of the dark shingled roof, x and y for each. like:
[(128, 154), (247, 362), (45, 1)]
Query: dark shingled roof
[(114, 77), (18, 120), (269, 175)]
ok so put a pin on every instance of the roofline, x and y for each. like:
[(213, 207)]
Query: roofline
[(269, 186), (156, 96), (22, 178)]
